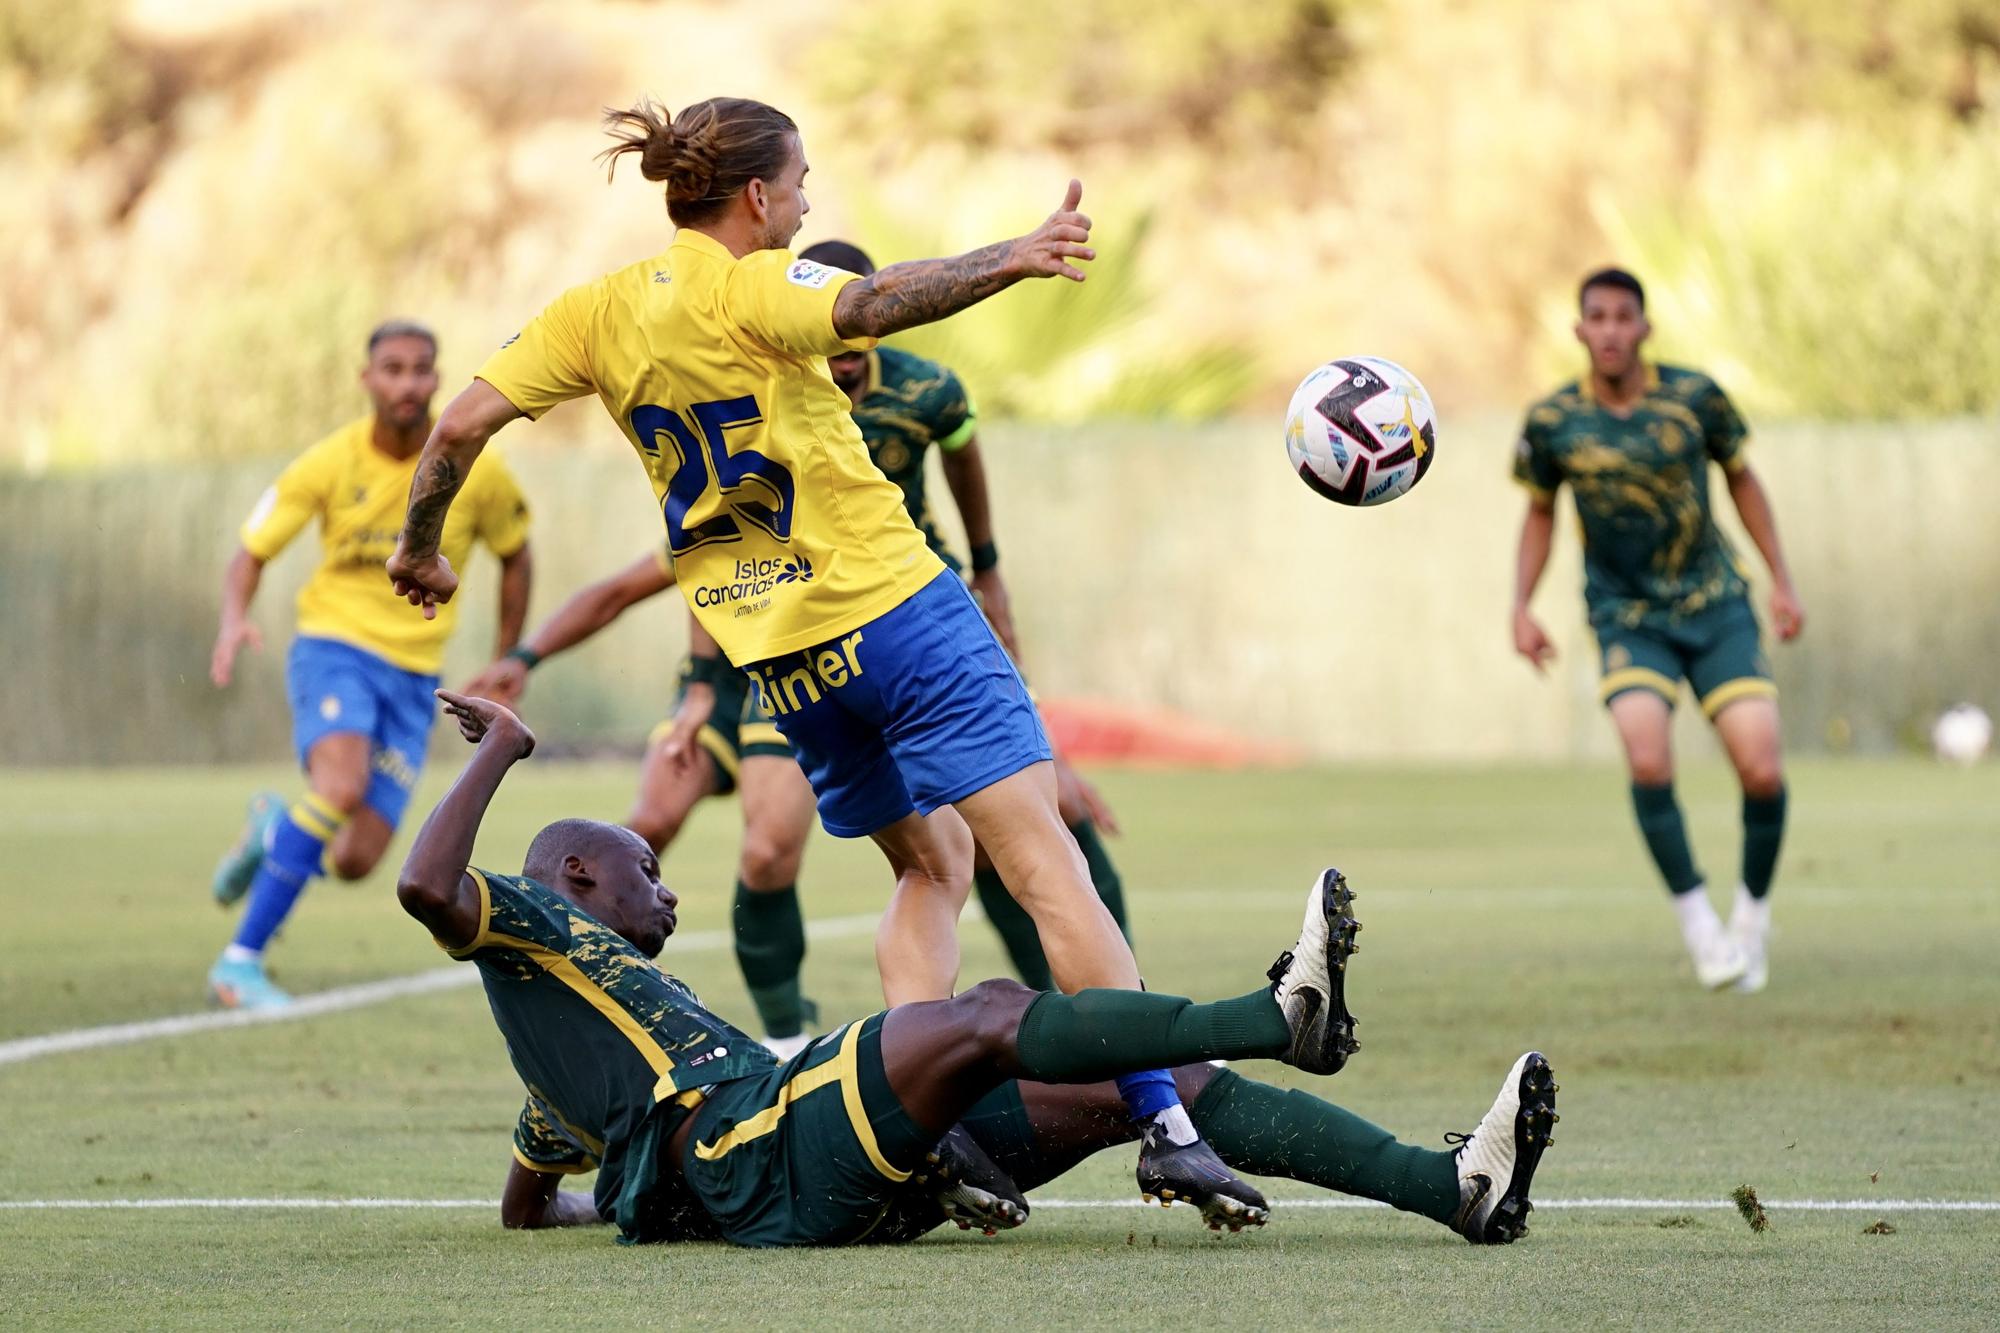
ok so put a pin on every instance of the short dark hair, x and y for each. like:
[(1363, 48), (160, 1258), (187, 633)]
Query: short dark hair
[(400, 328), (841, 255), (564, 838), (1617, 279)]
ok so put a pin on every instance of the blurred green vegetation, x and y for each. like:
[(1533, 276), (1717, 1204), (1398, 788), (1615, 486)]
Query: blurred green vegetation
[(110, 581), (207, 206)]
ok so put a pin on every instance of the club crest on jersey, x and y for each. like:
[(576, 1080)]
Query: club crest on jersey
[(805, 273)]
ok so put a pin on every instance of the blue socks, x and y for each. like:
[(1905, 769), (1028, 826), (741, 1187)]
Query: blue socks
[(291, 859), (1149, 1093)]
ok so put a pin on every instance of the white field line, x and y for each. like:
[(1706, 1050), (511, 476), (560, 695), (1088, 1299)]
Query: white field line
[(1581, 1205), (343, 998)]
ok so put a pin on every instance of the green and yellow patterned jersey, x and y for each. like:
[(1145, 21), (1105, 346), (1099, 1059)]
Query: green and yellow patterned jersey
[(613, 1050), (1652, 552), (911, 404)]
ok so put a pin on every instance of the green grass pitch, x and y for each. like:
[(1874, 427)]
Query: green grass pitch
[(1503, 909)]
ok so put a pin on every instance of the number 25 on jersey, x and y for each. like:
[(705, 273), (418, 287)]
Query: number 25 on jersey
[(702, 462)]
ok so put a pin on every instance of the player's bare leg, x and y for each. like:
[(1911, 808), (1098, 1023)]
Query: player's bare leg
[(1011, 921), (360, 845), (770, 932), (1019, 824), (916, 945), (337, 774), (668, 792), (1749, 731), (1644, 721)]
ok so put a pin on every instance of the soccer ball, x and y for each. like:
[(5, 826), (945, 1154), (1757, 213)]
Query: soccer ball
[(1360, 430), (1962, 734)]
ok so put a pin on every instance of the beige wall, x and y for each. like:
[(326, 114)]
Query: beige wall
[(1184, 568)]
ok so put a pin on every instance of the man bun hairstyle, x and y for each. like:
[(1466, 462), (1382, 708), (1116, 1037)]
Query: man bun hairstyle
[(706, 154), (1616, 278), (841, 255)]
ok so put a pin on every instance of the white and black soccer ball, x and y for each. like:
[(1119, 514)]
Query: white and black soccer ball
[(1962, 734), (1361, 431)]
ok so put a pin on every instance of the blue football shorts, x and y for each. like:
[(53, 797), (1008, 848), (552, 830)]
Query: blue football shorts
[(337, 687), (918, 708)]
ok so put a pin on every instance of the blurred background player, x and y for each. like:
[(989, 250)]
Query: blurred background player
[(905, 405), (362, 668), (1666, 596), (798, 557), (719, 740)]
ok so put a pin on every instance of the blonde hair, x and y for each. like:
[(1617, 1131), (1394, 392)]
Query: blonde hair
[(706, 154)]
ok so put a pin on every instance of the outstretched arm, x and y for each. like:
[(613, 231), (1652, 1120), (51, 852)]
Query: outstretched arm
[(416, 569), (433, 886), (1538, 529), (923, 291), (1788, 616), (533, 1200), (588, 610)]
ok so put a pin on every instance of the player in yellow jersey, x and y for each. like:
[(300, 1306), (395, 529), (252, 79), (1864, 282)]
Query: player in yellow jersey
[(798, 557), (361, 671)]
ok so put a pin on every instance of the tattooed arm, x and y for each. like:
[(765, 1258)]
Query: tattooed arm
[(416, 569), (902, 296)]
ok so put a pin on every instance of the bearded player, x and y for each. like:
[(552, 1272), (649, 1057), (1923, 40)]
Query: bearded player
[(1667, 598), (799, 559), (697, 1132), (361, 670)]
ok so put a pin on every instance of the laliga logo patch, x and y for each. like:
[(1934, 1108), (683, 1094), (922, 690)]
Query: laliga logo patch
[(805, 273)]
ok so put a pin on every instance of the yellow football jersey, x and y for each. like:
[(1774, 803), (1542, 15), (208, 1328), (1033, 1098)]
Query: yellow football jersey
[(784, 533), (359, 495)]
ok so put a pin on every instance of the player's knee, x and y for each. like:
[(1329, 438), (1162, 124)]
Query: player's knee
[(1652, 766), (351, 863), (769, 861), (345, 792), (657, 827), (991, 1012), (1762, 776)]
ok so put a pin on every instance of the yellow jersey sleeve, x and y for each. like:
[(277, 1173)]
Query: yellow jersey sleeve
[(786, 303), (301, 491), (548, 362), (500, 518)]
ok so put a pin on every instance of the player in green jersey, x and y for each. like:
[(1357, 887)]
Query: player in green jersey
[(905, 406), (733, 747), (1666, 597), (697, 1132)]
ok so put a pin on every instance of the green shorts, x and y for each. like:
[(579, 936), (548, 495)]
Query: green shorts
[(740, 727), (812, 1152), (1718, 650)]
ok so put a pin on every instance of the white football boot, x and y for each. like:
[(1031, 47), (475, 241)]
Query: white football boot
[(1718, 961), (1309, 979), (1750, 929), (1497, 1161)]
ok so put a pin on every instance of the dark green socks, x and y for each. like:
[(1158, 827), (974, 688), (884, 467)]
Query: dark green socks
[(1763, 835), (770, 948), (1666, 836), (1101, 1034), (1017, 929), (1271, 1131)]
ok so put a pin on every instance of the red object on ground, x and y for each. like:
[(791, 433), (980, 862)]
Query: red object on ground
[(1098, 731)]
